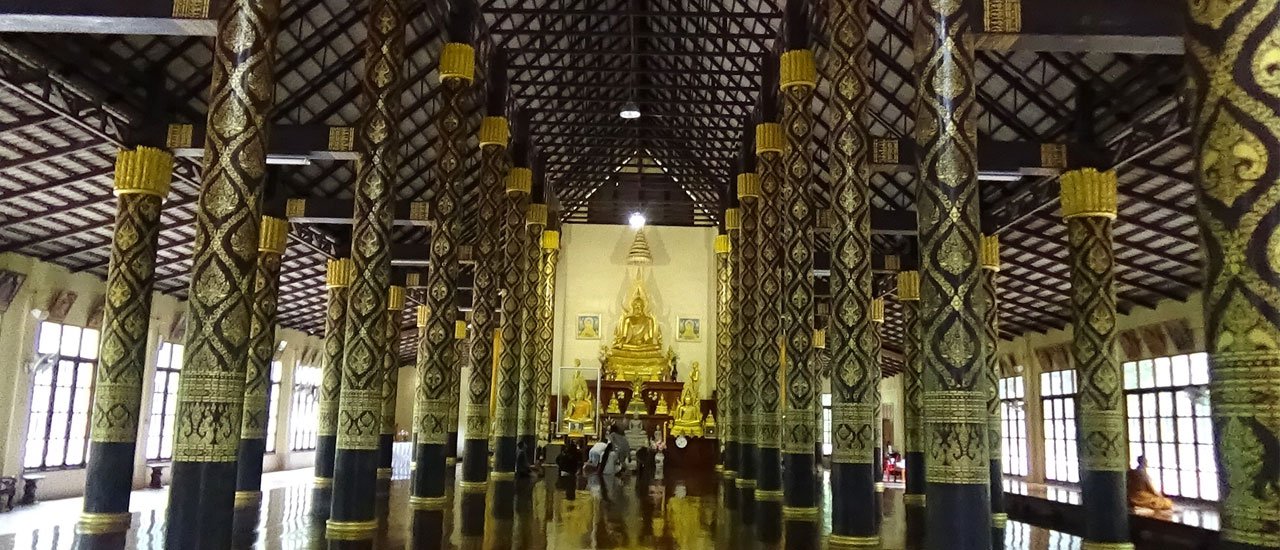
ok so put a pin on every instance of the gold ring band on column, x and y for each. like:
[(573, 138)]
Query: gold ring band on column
[(94, 523)]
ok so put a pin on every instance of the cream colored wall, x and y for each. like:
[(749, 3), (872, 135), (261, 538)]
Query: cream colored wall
[(591, 277), (1023, 348), (17, 338)]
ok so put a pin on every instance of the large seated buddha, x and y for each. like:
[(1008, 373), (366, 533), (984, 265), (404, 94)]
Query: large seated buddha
[(636, 352)]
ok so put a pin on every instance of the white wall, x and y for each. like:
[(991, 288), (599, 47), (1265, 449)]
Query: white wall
[(17, 340), (591, 277)]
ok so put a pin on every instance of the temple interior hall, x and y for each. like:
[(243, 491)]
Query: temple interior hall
[(623, 274)]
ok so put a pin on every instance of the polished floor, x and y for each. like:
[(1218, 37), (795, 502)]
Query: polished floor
[(589, 512)]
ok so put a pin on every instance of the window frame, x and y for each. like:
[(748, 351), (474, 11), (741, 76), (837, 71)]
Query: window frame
[(1014, 441), (1157, 396), (168, 402), (303, 423), (81, 365), (274, 379), (1058, 393)]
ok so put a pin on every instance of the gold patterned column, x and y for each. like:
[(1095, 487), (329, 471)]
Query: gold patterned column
[(355, 465), (855, 368), (1089, 207), (991, 339), (457, 71), (338, 279), (749, 334), (546, 330), (947, 203), (390, 385), (494, 135), (724, 343), (141, 182), (519, 183), (273, 234), (535, 220), (1235, 111), (211, 390), (877, 421), (798, 77), (737, 414), (764, 224), (913, 393), (461, 357)]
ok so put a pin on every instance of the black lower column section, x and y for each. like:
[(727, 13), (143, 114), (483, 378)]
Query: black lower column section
[(746, 483), (475, 463), (429, 481), (915, 520), (855, 519), (530, 442), (201, 500), (801, 482), (472, 517), (877, 472), (385, 451), (958, 516), (322, 493), (106, 518), (354, 495), (504, 463), (1106, 506), (769, 494), (915, 479), (998, 517), (451, 450), (427, 530), (249, 485)]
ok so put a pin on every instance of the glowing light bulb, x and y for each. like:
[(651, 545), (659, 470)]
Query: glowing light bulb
[(637, 220)]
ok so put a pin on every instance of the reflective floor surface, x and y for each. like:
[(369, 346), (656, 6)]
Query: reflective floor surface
[(588, 512)]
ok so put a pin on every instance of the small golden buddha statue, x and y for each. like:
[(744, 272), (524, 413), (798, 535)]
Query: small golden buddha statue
[(614, 406), (580, 413), (662, 406), (688, 417)]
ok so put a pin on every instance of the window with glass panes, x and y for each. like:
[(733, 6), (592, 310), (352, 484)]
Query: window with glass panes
[(302, 417), (61, 397), (273, 398), (826, 424), (1013, 419), (1168, 407), (1058, 399), (164, 402)]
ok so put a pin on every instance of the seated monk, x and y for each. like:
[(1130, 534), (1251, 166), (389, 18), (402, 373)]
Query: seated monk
[(1143, 493)]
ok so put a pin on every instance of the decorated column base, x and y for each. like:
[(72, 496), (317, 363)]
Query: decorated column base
[(354, 494), (475, 464), (854, 516)]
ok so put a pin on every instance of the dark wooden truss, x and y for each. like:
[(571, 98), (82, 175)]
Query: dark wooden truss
[(67, 101)]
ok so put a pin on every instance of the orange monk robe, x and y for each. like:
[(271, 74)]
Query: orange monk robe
[(1143, 493)]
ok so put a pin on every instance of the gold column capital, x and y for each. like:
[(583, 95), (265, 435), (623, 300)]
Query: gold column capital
[(797, 68), (494, 130), (395, 298), (536, 215), (145, 170), (459, 330), (272, 235), (1089, 193), (820, 338), (424, 315), (551, 240), (990, 252), (519, 181), (340, 273), (722, 244), (748, 185), (733, 219), (458, 61), (908, 285), (877, 310), (769, 138)]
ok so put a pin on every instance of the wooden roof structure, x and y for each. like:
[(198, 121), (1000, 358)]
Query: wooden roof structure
[(1060, 90)]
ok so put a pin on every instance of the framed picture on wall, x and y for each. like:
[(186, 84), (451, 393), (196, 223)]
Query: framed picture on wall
[(688, 329), (588, 326)]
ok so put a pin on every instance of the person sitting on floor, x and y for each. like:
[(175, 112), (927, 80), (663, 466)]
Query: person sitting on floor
[(1142, 492), (570, 459)]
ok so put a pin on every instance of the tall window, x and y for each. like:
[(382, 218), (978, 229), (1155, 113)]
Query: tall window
[(61, 397), (826, 424), (164, 402), (1013, 414), (1169, 423), (1058, 397), (306, 394), (273, 400)]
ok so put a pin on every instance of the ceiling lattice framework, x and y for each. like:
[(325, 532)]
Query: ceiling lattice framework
[(695, 70)]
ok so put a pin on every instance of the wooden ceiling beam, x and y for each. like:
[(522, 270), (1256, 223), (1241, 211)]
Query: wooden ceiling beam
[(1135, 26), (139, 17)]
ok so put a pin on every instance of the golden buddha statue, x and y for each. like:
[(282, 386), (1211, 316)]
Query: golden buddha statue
[(614, 406), (688, 417), (636, 352), (580, 412)]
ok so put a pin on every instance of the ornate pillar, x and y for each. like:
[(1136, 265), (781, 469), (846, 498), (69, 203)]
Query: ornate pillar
[(724, 342), (494, 134), (913, 393), (1089, 207), (460, 358), (1234, 123), (355, 464), (338, 280), (852, 340), (390, 385), (141, 183), (535, 220), (764, 223), (457, 70), (519, 183), (955, 412), (211, 391), (737, 415), (877, 423), (546, 329), (272, 236), (798, 77), (991, 340), (749, 333)]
